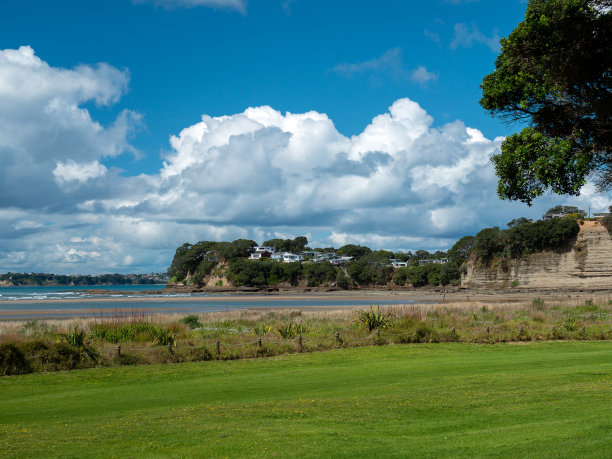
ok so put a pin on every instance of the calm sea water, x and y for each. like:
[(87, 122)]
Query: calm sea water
[(63, 301)]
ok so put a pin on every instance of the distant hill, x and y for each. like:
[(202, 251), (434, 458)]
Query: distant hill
[(42, 279)]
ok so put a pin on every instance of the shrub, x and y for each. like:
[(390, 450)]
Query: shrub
[(262, 330), (538, 304), (76, 338), (569, 323), (192, 320), (287, 331), (12, 361), (61, 356), (163, 337), (424, 333), (373, 320), (196, 354), (129, 359)]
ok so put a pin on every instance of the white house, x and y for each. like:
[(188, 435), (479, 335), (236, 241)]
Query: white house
[(341, 260), (441, 261), (399, 263), (261, 252), (287, 257)]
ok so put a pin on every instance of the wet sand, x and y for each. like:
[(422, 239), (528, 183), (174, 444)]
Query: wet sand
[(389, 297)]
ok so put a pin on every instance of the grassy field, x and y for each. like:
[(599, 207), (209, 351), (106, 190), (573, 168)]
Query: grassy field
[(546, 399)]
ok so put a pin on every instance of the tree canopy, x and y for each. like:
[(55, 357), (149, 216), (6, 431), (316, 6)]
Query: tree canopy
[(554, 73), (566, 210)]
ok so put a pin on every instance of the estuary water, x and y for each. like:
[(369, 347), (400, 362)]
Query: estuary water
[(72, 301)]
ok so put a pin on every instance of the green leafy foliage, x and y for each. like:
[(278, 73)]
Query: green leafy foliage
[(566, 210), (261, 273), (607, 221), (75, 338), (419, 276), (372, 269), (124, 332), (199, 259), (352, 250), (192, 321), (12, 361), (164, 337), (291, 330), (374, 320), (530, 237), (287, 245), (319, 273), (262, 330), (554, 73)]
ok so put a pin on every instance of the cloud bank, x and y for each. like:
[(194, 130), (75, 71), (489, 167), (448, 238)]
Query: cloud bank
[(402, 183)]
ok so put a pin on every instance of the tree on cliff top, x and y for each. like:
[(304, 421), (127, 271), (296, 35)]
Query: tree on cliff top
[(555, 74)]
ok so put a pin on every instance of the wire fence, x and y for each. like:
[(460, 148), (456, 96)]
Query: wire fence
[(347, 338), (434, 330)]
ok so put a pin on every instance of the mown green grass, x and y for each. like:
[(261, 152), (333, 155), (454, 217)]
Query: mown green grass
[(550, 399)]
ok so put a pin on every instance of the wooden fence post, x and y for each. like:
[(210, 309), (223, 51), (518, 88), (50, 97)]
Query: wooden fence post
[(118, 351), (258, 342), (453, 330), (337, 336), (218, 347), (300, 342), (488, 330)]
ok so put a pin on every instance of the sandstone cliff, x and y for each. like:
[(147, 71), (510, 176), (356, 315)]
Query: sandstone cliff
[(587, 265)]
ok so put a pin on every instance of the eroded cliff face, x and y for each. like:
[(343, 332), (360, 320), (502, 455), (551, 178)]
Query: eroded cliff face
[(588, 265)]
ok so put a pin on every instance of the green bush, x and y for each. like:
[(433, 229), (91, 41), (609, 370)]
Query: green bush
[(287, 331), (76, 338), (373, 320), (342, 281), (164, 337), (129, 359), (425, 333), (262, 330), (319, 273), (141, 332), (62, 356), (192, 320), (525, 238), (12, 361)]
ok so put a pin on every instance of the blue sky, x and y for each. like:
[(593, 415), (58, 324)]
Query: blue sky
[(345, 121)]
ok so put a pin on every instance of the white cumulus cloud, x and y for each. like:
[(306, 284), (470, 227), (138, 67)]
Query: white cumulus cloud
[(403, 182), (70, 171)]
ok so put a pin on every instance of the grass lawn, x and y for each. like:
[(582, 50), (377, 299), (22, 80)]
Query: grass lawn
[(551, 399)]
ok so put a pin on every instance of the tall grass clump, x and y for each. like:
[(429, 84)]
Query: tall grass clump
[(374, 320), (538, 304), (291, 330), (262, 330)]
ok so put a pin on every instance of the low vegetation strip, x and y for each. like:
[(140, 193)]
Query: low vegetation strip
[(538, 399), (39, 346)]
